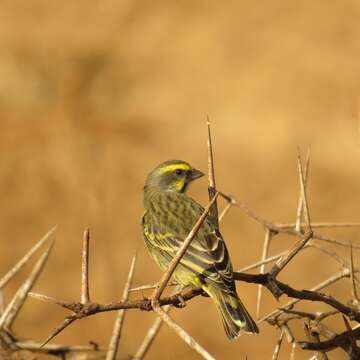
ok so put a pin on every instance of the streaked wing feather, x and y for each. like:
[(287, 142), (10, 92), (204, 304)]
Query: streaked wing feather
[(207, 254)]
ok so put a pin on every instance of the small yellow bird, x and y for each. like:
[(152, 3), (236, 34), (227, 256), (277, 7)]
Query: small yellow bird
[(169, 216)]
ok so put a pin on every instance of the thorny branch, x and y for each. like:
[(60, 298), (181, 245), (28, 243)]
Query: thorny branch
[(280, 318)]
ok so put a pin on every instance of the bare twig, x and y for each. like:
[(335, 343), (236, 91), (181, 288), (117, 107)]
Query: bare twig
[(319, 225), (284, 260), (177, 299), (289, 231), (183, 334), (230, 202), (150, 336), (329, 253), (280, 318), (153, 331), (281, 229), (317, 316), (342, 340), (332, 279), (115, 338), (288, 333), (54, 349), (226, 209), (144, 304), (85, 296), (15, 305), (180, 253), (265, 261), (15, 269)]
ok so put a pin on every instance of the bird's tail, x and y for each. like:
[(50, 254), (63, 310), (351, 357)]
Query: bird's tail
[(233, 313)]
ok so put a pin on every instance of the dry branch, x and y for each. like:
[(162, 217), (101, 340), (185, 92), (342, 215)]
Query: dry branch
[(279, 318)]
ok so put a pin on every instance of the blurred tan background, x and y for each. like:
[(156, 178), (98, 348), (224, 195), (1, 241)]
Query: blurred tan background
[(94, 94)]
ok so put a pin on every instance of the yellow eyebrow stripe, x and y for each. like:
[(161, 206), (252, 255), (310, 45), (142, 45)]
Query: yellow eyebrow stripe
[(173, 167)]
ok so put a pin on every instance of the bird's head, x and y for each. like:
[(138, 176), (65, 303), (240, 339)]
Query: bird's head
[(172, 175)]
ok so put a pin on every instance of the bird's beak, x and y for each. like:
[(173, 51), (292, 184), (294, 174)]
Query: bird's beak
[(195, 174)]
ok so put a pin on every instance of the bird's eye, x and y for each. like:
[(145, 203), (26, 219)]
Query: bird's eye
[(178, 171)]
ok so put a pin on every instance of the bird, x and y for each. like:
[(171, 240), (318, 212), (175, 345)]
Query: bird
[(169, 215)]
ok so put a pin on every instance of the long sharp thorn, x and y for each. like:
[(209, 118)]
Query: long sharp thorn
[(150, 336), (12, 310), (15, 269), (69, 320), (85, 296), (299, 214), (115, 338), (183, 334), (153, 331), (283, 261), (303, 192), (211, 174), (50, 300)]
